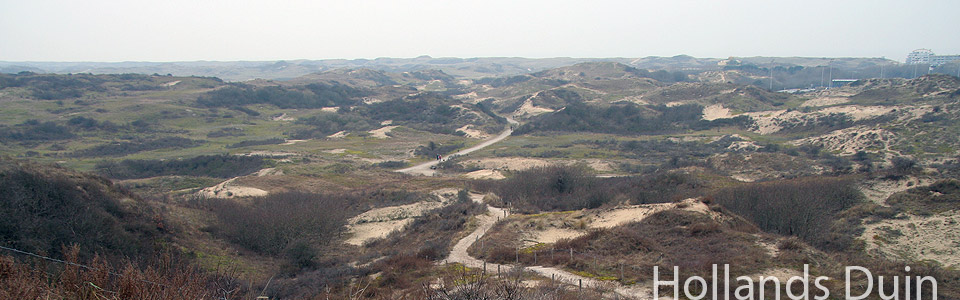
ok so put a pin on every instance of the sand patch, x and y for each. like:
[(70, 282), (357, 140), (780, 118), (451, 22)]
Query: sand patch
[(743, 178), (329, 109), (635, 99), (368, 100), (335, 151), (916, 238), (879, 190), (283, 117), (527, 109), (339, 135), (471, 96), (293, 142), (382, 132), (551, 227), (600, 165), (228, 189), (386, 123), (553, 234), (485, 174), (849, 141), (510, 163), (744, 146), (269, 172), (857, 112), (824, 101), (172, 83), (635, 213), (626, 214), (767, 122), (473, 133), (769, 245), (265, 153), (716, 111), (782, 274), (380, 222)]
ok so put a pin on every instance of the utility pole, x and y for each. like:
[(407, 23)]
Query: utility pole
[(822, 71), (771, 75), (771, 78), (831, 74)]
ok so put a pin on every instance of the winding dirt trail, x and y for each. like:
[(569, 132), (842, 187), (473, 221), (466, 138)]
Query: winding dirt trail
[(459, 255), (424, 168)]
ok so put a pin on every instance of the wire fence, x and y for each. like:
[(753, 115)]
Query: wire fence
[(616, 270), (60, 261)]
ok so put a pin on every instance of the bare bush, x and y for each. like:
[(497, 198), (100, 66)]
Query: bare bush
[(807, 208)]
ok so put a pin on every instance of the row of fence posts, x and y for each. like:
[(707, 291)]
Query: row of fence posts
[(553, 252), (553, 278)]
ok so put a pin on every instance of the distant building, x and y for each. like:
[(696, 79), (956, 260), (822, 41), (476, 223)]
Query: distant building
[(937, 60), (927, 57), (842, 82)]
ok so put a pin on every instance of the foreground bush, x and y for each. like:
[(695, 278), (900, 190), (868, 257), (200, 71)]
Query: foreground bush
[(551, 189), (45, 207), (167, 279), (807, 208), (271, 224)]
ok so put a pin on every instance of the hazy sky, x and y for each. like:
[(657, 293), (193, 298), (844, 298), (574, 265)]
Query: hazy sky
[(186, 30)]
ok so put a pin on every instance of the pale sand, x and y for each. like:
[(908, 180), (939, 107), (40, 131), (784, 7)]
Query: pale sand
[(485, 174), (380, 222), (473, 133), (851, 140), (527, 109), (227, 189), (339, 135), (917, 238), (716, 111), (510, 163), (335, 151), (824, 101), (382, 132)]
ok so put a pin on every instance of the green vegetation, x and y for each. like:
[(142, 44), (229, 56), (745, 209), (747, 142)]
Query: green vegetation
[(309, 96), (222, 166), (601, 138), (44, 209), (939, 197), (626, 119), (271, 141), (137, 145), (556, 188)]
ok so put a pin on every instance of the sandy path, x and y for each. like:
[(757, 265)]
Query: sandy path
[(424, 168), (459, 255)]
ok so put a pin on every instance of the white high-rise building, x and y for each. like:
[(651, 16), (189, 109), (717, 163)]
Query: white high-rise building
[(927, 57), (919, 56)]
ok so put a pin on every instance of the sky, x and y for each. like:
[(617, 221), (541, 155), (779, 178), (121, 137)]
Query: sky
[(215, 30)]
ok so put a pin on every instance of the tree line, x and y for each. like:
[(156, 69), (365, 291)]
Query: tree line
[(629, 119), (222, 166)]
